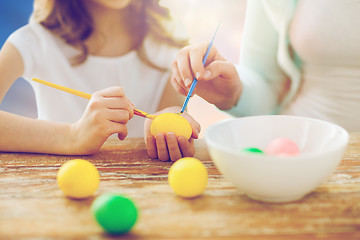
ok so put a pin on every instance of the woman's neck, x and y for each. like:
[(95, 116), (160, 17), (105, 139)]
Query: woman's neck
[(112, 35)]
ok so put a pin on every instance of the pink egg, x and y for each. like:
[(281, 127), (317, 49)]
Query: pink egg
[(282, 147)]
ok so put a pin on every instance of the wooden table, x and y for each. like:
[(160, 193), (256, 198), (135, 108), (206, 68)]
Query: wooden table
[(33, 207)]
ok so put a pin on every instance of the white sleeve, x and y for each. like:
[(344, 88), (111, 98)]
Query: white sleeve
[(258, 69), (25, 41)]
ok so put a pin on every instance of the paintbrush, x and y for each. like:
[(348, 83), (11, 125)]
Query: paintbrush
[(86, 95), (192, 87)]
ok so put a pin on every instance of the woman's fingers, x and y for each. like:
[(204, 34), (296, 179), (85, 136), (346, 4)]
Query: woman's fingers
[(196, 56), (184, 67), (176, 80), (224, 69)]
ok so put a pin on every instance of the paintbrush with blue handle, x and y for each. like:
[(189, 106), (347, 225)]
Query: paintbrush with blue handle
[(192, 87)]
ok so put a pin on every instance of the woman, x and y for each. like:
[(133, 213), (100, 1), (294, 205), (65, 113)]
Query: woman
[(298, 57)]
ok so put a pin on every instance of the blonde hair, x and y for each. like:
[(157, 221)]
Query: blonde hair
[(70, 20)]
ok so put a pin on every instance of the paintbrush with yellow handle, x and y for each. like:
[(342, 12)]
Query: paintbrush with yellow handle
[(86, 95)]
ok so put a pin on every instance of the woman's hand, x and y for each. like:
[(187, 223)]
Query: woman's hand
[(108, 112), (218, 82), (168, 146)]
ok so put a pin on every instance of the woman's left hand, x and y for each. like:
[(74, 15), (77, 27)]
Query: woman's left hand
[(168, 146)]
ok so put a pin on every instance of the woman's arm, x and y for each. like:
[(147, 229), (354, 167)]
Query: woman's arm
[(263, 79), (250, 88)]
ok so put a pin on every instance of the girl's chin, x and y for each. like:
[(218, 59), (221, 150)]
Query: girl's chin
[(112, 4)]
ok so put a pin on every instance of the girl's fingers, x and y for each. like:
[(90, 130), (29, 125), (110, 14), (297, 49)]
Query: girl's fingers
[(151, 146), (114, 127), (168, 146), (162, 150), (187, 147), (115, 91), (118, 128), (118, 103), (173, 146), (118, 115), (112, 98), (196, 128), (122, 135)]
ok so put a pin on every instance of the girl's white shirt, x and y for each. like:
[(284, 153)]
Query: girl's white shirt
[(46, 57)]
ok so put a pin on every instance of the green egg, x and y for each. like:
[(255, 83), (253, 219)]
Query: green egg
[(252, 150), (115, 213)]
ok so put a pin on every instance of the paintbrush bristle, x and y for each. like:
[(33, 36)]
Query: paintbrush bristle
[(139, 113)]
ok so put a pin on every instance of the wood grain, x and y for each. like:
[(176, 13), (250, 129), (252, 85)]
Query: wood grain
[(33, 207)]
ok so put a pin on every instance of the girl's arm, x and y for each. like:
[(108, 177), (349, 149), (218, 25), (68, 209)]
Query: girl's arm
[(21, 134), (107, 113), (11, 67)]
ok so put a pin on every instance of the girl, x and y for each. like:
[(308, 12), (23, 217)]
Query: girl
[(89, 45)]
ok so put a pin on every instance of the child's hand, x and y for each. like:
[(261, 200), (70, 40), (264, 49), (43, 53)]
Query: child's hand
[(107, 113), (168, 146), (218, 83)]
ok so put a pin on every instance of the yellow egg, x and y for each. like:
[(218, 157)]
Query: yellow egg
[(171, 122), (78, 178), (188, 177)]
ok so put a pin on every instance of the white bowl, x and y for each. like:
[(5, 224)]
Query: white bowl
[(273, 178)]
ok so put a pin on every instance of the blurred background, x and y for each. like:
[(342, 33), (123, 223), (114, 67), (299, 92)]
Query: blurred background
[(200, 19)]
